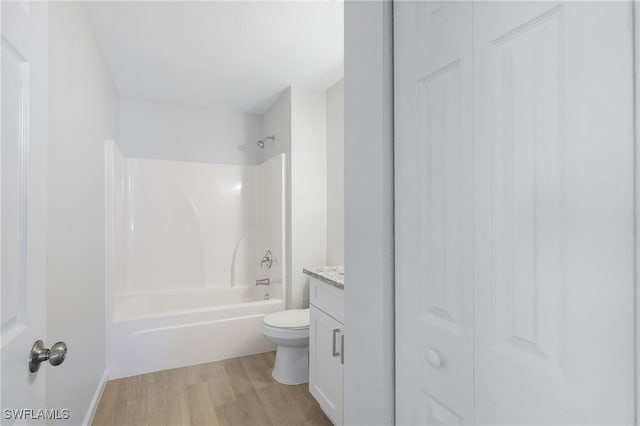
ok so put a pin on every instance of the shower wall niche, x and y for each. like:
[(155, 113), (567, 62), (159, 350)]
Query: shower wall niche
[(187, 227)]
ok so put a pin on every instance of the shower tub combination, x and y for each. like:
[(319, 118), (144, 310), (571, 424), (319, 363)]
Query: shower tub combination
[(184, 249)]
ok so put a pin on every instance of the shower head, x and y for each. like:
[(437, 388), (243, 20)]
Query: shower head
[(263, 140)]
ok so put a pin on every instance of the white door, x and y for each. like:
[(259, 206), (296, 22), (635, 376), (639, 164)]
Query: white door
[(434, 200), (550, 203), (22, 180)]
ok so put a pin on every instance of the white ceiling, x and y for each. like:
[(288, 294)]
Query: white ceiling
[(233, 55)]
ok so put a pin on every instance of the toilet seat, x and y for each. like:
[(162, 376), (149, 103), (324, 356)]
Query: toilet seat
[(286, 336), (293, 319)]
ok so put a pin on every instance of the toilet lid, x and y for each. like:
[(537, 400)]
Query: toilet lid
[(293, 318)]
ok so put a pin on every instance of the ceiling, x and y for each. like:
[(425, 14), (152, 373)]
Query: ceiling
[(234, 55)]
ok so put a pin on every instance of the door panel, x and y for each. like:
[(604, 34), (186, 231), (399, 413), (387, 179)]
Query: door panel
[(434, 319), (15, 101), (526, 180), (22, 201), (553, 213)]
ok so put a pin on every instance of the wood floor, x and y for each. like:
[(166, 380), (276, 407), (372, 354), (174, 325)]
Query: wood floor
[(237, 391)]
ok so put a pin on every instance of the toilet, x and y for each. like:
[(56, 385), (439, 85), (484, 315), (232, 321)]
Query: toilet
[(290, 331)]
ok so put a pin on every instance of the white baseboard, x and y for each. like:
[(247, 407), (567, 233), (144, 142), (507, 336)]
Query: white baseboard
[(93, 406)]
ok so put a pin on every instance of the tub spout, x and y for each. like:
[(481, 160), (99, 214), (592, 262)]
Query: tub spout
[(264, 281)]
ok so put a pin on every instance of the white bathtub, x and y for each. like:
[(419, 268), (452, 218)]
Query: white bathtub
[(166, 330), (174, 228)]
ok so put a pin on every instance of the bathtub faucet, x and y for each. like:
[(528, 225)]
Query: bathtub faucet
[(267, 259), (264, 281)]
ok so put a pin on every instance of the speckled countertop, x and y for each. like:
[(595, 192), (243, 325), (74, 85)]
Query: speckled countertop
[(333, 275)]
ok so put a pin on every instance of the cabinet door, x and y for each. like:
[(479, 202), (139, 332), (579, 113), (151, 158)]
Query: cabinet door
[(325, 367)]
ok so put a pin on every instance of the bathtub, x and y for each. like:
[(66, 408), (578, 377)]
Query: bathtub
[(184, 244), (164, 330)]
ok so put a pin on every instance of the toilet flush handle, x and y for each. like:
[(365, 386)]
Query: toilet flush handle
[(434, 358)]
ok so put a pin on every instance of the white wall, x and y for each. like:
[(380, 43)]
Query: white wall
[(82, 114), (308, 189), (167, 131), (335, 174), (229, 216), (271, 220), (298, 119), (368, 157), (277, 121)]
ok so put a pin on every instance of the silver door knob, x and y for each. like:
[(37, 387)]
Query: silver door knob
[(56, 354)]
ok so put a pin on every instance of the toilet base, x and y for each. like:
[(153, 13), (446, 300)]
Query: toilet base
[(292, 365)]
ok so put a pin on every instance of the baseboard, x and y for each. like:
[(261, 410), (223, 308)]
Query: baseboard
[(93, 406)]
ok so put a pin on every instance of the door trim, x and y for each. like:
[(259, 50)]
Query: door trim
[(636, 137)]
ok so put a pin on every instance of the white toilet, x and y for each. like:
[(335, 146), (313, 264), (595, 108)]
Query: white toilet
[(290, 331)]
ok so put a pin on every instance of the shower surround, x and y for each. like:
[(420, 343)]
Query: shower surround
[(184, 243)]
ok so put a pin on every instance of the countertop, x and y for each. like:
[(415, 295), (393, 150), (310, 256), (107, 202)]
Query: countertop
[(333, 275)]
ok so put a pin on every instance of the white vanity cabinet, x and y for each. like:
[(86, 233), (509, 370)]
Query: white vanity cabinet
[(326, 347)]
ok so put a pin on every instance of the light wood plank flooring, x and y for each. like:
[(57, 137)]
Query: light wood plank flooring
[(237, 391)]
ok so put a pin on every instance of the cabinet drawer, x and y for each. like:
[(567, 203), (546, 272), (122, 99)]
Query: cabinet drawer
[(327, 298)]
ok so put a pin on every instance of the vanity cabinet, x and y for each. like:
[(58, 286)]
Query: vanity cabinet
[(326, 347)]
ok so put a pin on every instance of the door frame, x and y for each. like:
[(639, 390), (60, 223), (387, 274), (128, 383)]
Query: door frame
[(636, 113), (369, 370)]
